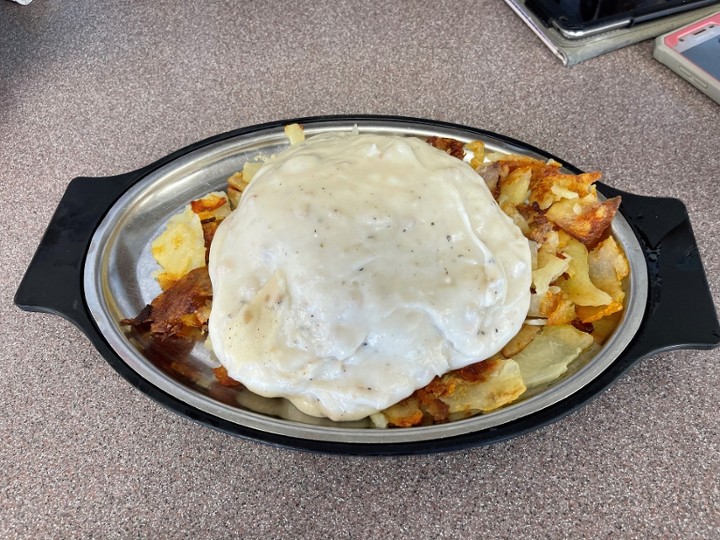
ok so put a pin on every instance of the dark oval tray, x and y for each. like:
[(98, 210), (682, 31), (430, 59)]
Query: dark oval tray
[(53, 284)]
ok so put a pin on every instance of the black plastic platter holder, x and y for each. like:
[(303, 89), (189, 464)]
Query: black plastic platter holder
[(680, 312)]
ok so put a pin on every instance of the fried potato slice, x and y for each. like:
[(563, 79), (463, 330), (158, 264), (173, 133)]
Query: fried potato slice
[(250, 169), (450, 146), (514, 187), (214, 205), (578, 287), (514, 161), (604, 327), (484, 387), (546, 358), (295, 133), (212, 209), (553, 243), (607, 267), (512, 212), (405, 413), (552, 308), (224, 379), (237, 181), (540, 229), (177, 250), (180, 248), (547, 184), (557, 308), (585, 219), (477, 148), (550, 186), (589, 314), (550, 268), (236, 185)]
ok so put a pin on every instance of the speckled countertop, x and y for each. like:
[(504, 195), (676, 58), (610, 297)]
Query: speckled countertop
[(99, 88)]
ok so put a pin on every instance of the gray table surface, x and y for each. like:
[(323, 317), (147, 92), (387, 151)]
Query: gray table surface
[(103, 87)]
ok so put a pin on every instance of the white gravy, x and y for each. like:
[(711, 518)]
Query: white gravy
[(356, 268)]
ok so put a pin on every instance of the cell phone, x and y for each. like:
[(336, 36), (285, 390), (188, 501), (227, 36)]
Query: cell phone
[(693, 52), (576, 19)]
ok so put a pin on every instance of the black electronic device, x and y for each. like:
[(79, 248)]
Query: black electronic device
[(576, 19)]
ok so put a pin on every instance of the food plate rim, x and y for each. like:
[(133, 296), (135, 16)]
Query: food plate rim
[(108, 327)]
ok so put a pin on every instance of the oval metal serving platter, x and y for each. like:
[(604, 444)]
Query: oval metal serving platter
[(116, 282)]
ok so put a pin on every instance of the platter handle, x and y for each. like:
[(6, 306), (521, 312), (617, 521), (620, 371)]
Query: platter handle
[(53, 280), (680, 313)]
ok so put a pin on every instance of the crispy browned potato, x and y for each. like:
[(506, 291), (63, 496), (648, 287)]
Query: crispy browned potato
[(484, 386), (223, 378), (559, 309), (451, 146), (550, 268), (514, 161), (551, 186), (209, 228), (586, 219), (540, 229), (237, 183), (405, 413), (184, 306), (205, 206), (478, 153), (608, 267), (514, 187)]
